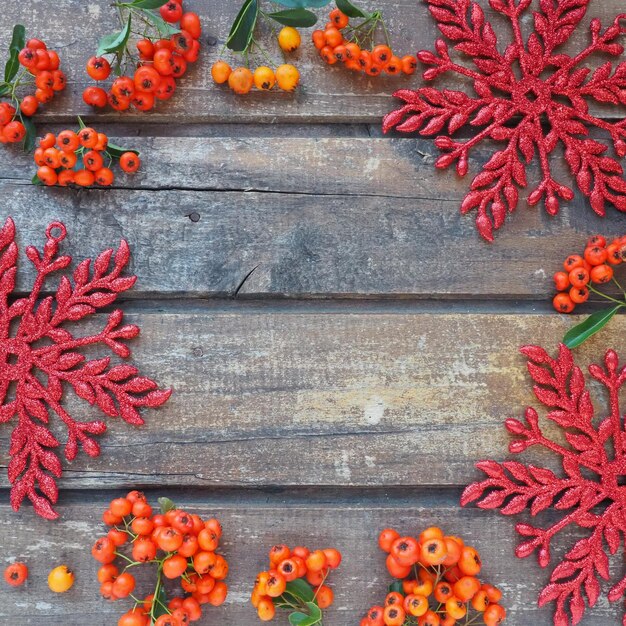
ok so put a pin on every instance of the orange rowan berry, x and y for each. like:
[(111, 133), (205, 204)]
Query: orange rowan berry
[(409, 64), (394, 615), (190, 22), (170, 539), (319, 39), (333, 557), (480, 601), (466, 587), (29, 105), (430, 618), (65, 178), (394, 67), (579, 277), (561, 280), (456, 608), (16, 574), (118, 537), (289, 569), (328, 54), (453, 550), (140, 508), (493, 593), (204, 561), (93, 162), (579, 294), (339, 19), (573, 261), (217, 595), (470, 563), (174, 566), (595, 255), (405, 550), (130, 162), (415, 605), (123, 585), (144, 550), (240, 80), (381, 55), (494, 615), (324, 596), (596, 240), (98, 68), (443, 592), (613, 255), (333, 37), (68, 159), (394, 597), (266, 610), (601, 274), (189, 546), (433, 551), (395, 569), (47, 175), (103, 550), (563, 303), (316, 561)]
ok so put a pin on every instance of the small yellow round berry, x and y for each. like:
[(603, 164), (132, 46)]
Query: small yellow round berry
[(60, 579), (289, 39), (264, 78), (287, 77)]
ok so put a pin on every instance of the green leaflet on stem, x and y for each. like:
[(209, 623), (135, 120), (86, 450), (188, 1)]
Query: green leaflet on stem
[(18, 41), (166, 505), (299, 593), (115, 42), (590, 326), (31, 132), (241, 34), (345, 6)]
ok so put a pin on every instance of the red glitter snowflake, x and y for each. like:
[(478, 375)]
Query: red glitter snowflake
[(594, 463), (38, 355), (529, 96)]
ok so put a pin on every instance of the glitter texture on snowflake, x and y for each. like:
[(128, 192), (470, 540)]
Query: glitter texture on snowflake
[(38, 357), (530, 96), (594, 462)]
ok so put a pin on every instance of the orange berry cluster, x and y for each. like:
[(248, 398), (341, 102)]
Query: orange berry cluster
[(181, 544), (334, 47), (595, 266), (433, 567), (58, 159), (161, 62), (44, 65), (287, 566), (241, 80)]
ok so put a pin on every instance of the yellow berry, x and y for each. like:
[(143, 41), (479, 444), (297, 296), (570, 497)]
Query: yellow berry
[(60, 579), (287, 77), (289, 39), (241, 80), (264, 78), (220, 72)]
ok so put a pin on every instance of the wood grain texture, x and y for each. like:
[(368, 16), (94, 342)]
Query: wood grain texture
[(254, 522), (365, 398), (312, 243), (329, 94)]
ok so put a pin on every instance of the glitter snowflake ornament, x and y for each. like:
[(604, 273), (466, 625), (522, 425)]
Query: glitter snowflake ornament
[(528, 95), (590, 493), (38, 362)]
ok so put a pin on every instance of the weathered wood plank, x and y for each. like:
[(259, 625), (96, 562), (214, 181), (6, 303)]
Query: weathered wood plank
[(254, 522), (329, 94), (263, 395), (204, 244)]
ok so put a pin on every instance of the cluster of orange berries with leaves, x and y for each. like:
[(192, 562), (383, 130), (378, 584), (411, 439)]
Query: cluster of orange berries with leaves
[(341, 42), (437, 583), (295, 581), (82, 158), (31, 65), (241, 41), (169, 42), (581, 272), (180, 545)]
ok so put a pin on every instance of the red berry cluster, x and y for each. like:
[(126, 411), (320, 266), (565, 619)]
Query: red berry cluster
[(340, 43), (435, 566), (274, 588), (581, 272), (83, 158), (161, 62), (181, 544), (42, 65)]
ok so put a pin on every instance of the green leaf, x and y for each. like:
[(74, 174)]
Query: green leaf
[(147, 4), (36, 180), (4, 90), (295, 17), (242, 29), (397, 587), (114, 42), (345, 6), (18, 41), (116, 152), (81, 124), (300, 589), (303, 3), (166, 505), (31, 132), (165, 29), (160, 601), (302, 619), (595, 322)]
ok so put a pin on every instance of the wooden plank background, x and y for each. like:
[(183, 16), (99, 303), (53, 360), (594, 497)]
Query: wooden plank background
[(342, 345)]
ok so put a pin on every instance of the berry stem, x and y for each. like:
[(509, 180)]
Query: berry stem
[(607, 297)]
